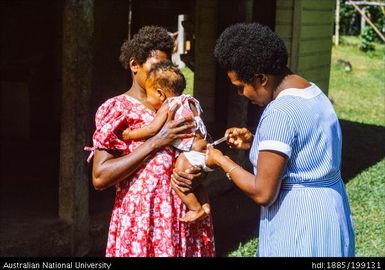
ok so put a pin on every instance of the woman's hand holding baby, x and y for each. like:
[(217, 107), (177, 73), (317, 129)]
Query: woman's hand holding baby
[(186, 181), (174, 129)]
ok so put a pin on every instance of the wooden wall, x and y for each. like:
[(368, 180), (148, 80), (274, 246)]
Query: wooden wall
[(306, 26)]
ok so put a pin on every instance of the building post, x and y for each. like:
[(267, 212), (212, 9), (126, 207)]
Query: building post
[(78, 29), (204, 74), (337, 26)]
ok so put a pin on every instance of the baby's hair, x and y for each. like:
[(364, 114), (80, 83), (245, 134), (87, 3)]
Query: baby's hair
[(144, 43), (167, 76)]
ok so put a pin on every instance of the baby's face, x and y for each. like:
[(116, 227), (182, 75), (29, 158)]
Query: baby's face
[(155, 95)]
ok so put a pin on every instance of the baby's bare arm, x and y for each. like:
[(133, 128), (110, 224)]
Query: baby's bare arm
[(149, 130)]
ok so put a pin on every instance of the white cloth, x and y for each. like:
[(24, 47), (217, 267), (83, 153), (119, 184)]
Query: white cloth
[(197, 159)]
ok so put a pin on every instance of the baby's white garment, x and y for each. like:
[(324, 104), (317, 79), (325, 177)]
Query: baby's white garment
[(197, 159)]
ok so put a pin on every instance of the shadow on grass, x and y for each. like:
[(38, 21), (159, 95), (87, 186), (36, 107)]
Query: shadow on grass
[(235, 220), (362, 147)]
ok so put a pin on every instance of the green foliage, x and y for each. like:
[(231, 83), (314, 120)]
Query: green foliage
[(350, 24), (248, 249), (367, 39), (377, 17), (349, 20)]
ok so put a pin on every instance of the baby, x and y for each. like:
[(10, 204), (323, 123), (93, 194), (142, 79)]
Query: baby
[(165, 83)]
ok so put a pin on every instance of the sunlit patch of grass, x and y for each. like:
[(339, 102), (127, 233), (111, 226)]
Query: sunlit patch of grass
[(366, 194), (359, 96), (248, 249), (189, 75)]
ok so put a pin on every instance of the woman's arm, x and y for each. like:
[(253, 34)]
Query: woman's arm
[(109, 169), (263, 188)]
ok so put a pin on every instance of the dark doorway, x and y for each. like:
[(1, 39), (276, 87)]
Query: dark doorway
[(30, 107)]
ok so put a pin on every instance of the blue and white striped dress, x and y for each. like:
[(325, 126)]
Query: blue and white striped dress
[(311, 215)]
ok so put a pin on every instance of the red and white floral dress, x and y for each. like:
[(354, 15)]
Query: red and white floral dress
[(145, 218)]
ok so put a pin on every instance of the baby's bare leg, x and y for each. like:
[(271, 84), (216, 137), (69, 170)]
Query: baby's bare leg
[(197, 202)]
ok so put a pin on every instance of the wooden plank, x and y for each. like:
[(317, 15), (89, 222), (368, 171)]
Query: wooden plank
[(323, 85), (315, 46), (317, 74), (282, 4), (313, 61), (317, 17), (365, 3), (318, 4), (296, 34), (284, 30), (316, 31), (287, 42), (283, 16)]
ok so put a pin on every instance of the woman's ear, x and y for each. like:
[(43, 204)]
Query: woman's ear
[(260, 79), (263, 79), (134, 65)]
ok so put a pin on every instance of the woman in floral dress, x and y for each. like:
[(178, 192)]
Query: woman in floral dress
[(145, 218)]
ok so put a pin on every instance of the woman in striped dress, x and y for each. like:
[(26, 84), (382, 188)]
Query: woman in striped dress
[(296, 150)]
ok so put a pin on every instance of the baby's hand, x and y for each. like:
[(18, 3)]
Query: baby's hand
[(126, 134)]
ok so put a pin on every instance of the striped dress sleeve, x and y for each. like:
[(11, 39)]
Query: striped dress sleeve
[(276, 132)]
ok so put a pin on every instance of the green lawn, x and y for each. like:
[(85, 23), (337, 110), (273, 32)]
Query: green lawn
[(189, 76), (358, 96)]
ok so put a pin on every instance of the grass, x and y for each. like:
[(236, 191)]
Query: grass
[(189, 76), (366, 194), (248, 249), (358, 96)]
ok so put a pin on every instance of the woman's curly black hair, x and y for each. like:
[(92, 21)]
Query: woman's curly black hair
[(167, 75), (143, 43), (250, 49)]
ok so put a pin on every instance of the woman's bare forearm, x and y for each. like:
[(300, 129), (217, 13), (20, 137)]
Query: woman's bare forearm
[(109, 170), (262, 188), (241, 177)]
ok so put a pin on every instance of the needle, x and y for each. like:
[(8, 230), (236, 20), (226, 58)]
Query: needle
[(221, 140)]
